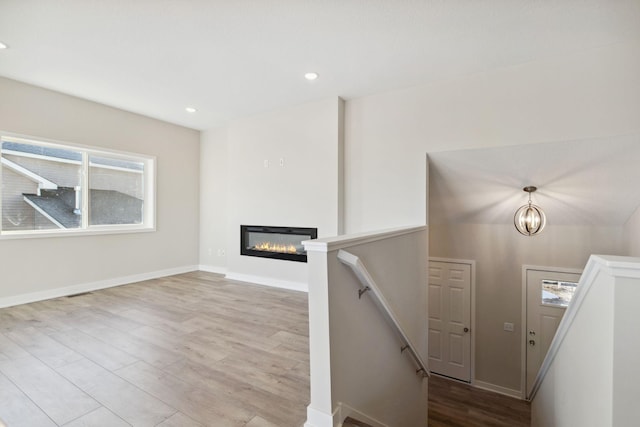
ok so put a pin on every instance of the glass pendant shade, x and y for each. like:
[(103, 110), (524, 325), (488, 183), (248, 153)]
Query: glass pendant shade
[(529, 219)]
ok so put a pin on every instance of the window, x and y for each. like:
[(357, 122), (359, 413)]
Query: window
[(55, 188), (116, 191), (557, 293)]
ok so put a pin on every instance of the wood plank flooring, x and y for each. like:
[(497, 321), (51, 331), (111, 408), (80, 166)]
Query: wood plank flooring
[(453, 404), (187, 350), (183, 351)]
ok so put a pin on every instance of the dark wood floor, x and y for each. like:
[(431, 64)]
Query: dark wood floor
[(453, 404)]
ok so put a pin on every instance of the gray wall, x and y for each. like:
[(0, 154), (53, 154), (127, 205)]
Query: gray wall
[(500, 252), (44, 264)]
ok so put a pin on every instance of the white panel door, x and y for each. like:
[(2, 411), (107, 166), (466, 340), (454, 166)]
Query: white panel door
[(450, 319), (548, 294)]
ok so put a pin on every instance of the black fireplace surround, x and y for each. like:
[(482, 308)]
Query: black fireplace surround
[(275, 242)]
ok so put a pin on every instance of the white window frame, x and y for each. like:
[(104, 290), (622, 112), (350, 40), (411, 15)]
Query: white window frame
[(149, 179)]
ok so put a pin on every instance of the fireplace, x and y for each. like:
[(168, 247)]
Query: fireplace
[(275, 242)]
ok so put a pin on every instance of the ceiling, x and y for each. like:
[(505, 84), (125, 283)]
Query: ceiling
[(234, 58), (588, 182)]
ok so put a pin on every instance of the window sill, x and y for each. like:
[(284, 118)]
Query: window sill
[(94, 231)]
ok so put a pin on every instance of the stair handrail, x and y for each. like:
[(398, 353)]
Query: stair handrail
[(369, 285)]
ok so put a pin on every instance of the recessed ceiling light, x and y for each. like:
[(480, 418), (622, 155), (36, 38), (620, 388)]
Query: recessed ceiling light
[(190, 110), (311, 76), (3, 46)]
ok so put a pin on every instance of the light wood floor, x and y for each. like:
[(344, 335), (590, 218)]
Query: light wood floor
[(187, 350)]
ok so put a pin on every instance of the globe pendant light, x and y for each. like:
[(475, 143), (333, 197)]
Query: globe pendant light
[(529, 219)]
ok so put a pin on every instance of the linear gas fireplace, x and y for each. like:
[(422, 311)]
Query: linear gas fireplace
[(275, 242)]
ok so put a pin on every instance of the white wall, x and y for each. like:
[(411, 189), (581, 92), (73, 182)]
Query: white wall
[(42, 265), (578, 388), (626, 350), (589, 94), (632, 235), (305, 192), (213, 200)]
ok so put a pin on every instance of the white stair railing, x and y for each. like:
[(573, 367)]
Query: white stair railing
[(590, 375), (586, 281)]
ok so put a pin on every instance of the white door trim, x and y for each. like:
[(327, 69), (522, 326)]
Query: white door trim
[(523, 320), (471, 263)]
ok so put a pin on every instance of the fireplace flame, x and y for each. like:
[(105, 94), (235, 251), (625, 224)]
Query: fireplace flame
[(274, 247)]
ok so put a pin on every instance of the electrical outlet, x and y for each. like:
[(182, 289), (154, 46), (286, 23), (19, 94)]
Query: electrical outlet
[(281, 161), (223, 252), (508, 327)]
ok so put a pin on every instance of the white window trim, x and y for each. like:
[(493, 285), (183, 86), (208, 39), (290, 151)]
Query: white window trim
[(114, 168), (38, 156), (149, 179)]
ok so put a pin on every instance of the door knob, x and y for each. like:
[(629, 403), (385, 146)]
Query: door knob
[(532, 342), (466, 329)]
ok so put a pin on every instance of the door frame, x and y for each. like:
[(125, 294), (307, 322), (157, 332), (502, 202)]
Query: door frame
[(472, 327), (523, 320)]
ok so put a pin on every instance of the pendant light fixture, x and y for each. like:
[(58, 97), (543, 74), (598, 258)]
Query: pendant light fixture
[(529, 219)]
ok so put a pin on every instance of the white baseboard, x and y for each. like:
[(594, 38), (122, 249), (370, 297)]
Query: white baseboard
[(346, 411), (91, 286), (498, 389), (317, 418), (213, 269), (268, 281)]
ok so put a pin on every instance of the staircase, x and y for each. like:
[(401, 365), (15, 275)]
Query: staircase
[(367, 329)]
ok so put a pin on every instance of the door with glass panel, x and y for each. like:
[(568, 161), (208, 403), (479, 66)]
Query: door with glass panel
[(548, 294)]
